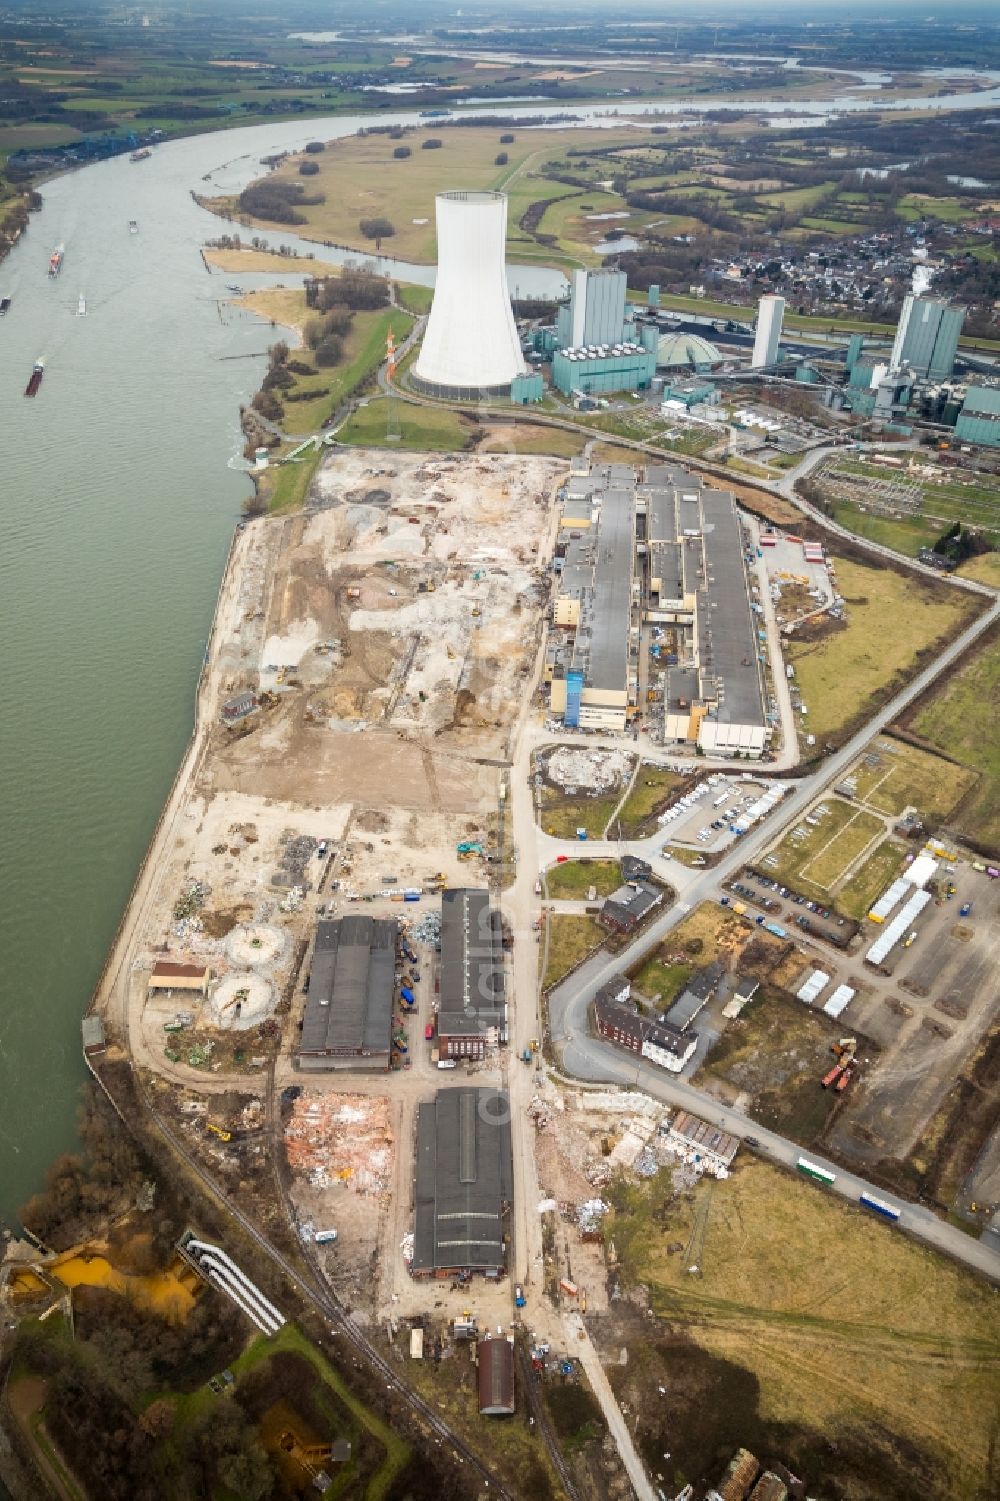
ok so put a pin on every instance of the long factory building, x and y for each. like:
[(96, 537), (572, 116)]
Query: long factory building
[(644, 554)]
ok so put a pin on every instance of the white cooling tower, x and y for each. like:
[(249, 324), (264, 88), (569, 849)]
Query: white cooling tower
[(470, 344)]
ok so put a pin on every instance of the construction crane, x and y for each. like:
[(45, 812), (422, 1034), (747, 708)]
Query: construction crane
[(392, 401)]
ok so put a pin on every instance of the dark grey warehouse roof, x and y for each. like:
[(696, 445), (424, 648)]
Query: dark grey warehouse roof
[(463, 1180), (351, 987), (472, 979), (732, 634), (612, 591)]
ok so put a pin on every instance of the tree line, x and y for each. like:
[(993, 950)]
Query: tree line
[(278, 202)]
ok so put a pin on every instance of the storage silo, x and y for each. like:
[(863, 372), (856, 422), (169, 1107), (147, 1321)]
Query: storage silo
[(470, 346)]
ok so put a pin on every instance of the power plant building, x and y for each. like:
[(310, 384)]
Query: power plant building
[(686, 351), (603, 369), (767, 339), (471, 346), (595, 313), (979, 419), (927, 337)]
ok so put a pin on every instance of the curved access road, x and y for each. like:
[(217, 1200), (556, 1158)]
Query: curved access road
[(586, 1057)]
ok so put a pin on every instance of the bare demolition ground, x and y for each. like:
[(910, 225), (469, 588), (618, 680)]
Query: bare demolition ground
[(386, 633)]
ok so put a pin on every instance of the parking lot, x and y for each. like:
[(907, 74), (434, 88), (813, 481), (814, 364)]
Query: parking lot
[(791, 909), (930, 1011), (702, 819)]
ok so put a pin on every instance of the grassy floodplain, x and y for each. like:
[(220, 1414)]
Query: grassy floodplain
[(959, 718), (892, 620), (809, 1319)]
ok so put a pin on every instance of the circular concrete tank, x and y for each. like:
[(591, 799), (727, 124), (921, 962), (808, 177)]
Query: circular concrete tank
[(241, 1001), (256, 944)]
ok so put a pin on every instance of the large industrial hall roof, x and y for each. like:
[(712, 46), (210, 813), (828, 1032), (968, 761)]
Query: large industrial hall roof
[(351, 986), (472, 980), (727, 633), (464, 1174)]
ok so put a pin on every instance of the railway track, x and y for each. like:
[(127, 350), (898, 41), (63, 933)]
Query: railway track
[(529, 1384), (319, 1298)]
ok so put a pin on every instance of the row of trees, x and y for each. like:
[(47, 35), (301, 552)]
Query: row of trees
[(354, 288)]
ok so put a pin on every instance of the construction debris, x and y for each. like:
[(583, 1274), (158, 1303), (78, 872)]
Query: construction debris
[(588, 771), (428, 929), (341, 1136), (590, 1215)]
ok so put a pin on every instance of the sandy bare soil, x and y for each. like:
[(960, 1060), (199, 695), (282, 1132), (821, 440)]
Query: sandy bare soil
[(386, 632)]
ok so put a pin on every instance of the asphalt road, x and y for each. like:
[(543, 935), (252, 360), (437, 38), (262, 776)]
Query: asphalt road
[(587, 1057), (583, 1051)]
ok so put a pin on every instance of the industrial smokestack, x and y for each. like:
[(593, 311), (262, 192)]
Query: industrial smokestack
[(471, 344)]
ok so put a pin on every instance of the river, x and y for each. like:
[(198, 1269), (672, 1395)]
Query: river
[(121, 483)]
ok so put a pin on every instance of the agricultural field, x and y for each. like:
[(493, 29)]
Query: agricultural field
[(816, 855), (572, 880), (893, 622), (893, 776), (807, 1319), (959, 717)]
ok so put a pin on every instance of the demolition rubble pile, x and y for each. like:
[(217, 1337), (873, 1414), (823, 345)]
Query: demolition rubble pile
[(341, 1137), (588, 771)]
